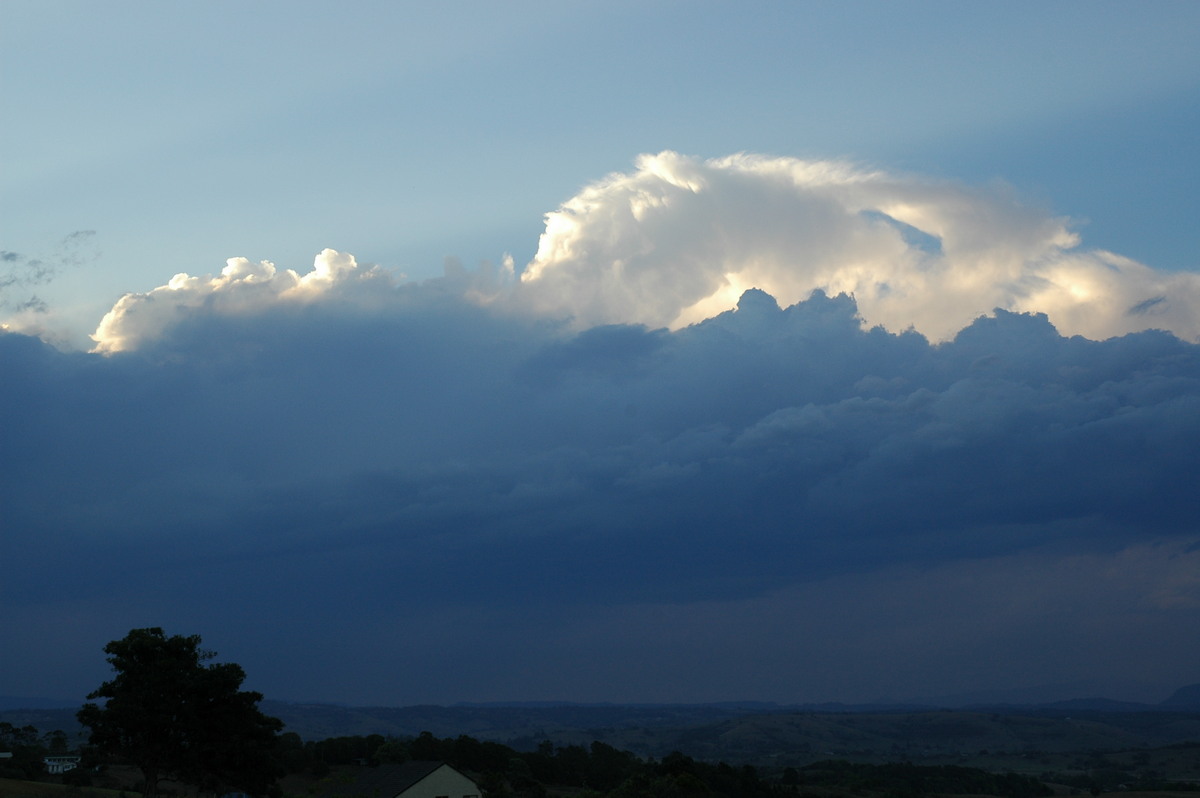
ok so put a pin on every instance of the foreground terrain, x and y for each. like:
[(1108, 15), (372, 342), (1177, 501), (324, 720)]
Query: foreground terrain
[(733, 750)]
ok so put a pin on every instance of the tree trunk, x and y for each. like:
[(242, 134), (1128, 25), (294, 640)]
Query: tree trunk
[(150, 781)]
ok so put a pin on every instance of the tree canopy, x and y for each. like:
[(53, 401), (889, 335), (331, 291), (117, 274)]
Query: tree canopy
[(174, 714)]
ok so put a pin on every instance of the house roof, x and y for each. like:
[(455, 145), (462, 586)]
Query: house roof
[(387, 781)]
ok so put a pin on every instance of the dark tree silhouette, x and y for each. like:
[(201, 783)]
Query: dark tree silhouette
[(174, 716)]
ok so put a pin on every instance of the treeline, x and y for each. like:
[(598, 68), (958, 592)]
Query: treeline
[(1098, 780), (598, 770), (905, 780), (28, 748), (601, 770), (595, 771)]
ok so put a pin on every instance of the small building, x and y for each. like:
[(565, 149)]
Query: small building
[(417, 779), (56, 765)]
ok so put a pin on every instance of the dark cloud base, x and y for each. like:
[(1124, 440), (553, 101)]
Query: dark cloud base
[(304, 482)]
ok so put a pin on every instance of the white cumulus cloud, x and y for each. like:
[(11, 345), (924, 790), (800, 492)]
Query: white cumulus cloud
[(679, 239), (243, 286)]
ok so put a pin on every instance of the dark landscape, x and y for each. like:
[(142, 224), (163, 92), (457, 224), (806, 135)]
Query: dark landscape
[(1067, 747)]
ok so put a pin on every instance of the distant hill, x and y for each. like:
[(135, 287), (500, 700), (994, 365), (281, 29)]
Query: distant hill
[(1097, 705), (719, 732), (500, 722), (750, 732), (920, 735), (1185, 698)]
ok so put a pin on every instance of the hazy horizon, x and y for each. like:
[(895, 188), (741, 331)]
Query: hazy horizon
[(1036, 695)]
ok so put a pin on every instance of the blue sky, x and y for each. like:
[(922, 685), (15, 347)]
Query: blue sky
[(594, 468)]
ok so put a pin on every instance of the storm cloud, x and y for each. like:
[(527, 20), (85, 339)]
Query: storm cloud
[(889, 467), (306, 474)]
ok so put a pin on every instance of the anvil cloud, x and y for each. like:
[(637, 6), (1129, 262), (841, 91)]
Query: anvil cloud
[(680, 238)]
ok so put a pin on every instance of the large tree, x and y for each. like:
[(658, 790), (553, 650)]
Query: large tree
[(173, 714)]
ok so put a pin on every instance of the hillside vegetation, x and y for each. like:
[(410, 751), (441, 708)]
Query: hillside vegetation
[(535, 751)]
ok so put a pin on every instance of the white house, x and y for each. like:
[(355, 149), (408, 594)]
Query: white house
[(60, 764), (415, 779)]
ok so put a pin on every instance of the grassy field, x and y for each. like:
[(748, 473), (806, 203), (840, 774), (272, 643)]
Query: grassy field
[(12, 788)]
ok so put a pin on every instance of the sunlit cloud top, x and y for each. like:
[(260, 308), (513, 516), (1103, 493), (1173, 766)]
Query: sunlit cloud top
[(242, 287), (678, 239)]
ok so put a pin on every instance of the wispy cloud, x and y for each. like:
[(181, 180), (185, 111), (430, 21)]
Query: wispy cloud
[(21, 274)]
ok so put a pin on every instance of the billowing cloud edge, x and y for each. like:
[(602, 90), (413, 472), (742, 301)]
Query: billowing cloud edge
[(679, 239)]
